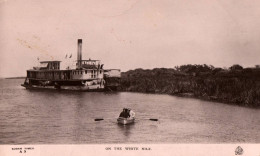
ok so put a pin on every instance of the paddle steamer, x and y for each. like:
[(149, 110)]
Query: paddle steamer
[(89, 75)]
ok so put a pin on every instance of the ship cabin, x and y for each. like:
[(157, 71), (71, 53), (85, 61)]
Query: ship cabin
[(90, 64), (50, 70), (88, 69), (48, 65)]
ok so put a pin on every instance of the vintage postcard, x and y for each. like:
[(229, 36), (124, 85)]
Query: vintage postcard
[(129, 77)]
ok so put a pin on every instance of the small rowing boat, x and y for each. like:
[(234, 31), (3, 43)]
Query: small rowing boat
[(125, 121)]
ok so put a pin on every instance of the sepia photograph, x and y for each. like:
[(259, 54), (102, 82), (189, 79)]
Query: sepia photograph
[(109, 74)]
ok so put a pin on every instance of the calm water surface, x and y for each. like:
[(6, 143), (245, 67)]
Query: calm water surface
[(41, 117)]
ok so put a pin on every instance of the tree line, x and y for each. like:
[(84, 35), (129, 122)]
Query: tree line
[(237, 85)]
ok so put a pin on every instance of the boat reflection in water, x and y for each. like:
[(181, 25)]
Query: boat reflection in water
[(126, 129)]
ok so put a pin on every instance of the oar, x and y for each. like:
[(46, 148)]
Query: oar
[(153, 119), (99, 119)]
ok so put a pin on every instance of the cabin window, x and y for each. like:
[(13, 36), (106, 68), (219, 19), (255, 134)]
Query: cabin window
[(86, 71), (81, 72)]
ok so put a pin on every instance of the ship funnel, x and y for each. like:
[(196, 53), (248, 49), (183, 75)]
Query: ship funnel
[(79, 61)]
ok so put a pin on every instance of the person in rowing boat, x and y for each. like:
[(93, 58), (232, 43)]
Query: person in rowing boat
[(124, 113), (131, 113)]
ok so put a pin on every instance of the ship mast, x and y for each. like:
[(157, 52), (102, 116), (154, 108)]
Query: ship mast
[(79, 57)]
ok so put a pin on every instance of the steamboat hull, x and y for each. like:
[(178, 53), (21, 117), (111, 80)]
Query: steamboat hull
[(73, 85), (69, 88)]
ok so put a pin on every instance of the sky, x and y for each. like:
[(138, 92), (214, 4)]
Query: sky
[(129, 34)]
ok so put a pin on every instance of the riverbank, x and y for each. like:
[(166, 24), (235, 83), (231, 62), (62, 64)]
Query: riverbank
[(235, 85)]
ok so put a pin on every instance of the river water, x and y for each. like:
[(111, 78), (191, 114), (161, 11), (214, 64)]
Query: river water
[(53, 117)]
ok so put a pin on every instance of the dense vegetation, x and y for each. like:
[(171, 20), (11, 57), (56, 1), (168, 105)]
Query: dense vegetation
[(235, 85)]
